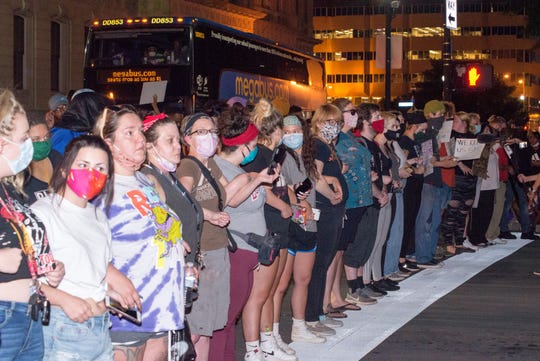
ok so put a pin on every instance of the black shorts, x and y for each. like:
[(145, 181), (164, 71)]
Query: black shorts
[(300, 240)]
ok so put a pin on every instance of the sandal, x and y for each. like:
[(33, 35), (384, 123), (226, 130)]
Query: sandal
[(346, 307), (334, 312)]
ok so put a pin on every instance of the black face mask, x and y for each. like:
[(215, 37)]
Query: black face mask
[(402, 128), (392, 134), (436, 123)]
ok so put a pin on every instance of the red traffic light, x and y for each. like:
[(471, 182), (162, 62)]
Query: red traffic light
[(473, 76)]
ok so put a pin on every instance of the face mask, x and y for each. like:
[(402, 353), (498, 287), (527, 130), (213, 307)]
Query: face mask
[(251, 155), (206, 145), (329, 132), (350, 120), (26, 152), (378, 125), (41, 149), (436, 123), (164, 163), (128, 162), (294, 140), (86, 183), (477, 128), (420, 136), (392, 134)]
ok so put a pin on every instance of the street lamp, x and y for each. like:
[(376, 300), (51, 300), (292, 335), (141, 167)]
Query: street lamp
[(390, 9)]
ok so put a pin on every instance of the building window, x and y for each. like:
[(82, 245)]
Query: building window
[(18, 52), (55, 56)]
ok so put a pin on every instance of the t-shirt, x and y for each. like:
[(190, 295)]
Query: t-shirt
[(249, 215), (279, 188), (35, 188), (358, 160), (331, 167), (147, 248), (29, 228), (213, 237), (81, 238), (376, 164), (292, 176)]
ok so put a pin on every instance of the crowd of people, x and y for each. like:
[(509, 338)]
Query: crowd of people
[(105, 203)]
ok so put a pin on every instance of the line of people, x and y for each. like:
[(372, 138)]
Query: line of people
[(117, 202)]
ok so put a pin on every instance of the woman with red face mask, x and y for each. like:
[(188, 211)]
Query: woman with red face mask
[(80, 237)]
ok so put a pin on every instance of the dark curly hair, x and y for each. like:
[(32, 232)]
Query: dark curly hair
[(230, 125)]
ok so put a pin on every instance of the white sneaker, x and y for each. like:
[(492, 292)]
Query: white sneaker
[(498, 241), (255, 355), (283, 345), (303, 334), (272, 352), (330, 322), (468, 244)]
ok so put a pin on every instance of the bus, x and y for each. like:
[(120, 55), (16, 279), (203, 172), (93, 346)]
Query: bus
[(199, 60)]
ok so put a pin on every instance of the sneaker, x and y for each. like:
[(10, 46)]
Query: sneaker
[(359, 299), (430, 264), (303, 334), (319, 329), (411, 266), (536, 273), (396, 277), (272, 352), (403, 268), (385, 286), (255, 355), (283, 345), (370, 292), (498, 241), (507, 235), (530, 235), (330, 322), (468, 244)]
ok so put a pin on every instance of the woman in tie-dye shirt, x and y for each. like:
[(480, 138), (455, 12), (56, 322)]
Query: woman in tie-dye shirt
[(146, 242)]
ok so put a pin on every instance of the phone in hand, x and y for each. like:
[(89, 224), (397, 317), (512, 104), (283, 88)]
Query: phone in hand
[(130, 314), (278, 156), (304, 187)]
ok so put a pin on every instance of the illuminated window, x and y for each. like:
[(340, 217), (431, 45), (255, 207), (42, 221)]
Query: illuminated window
[(18, 52)]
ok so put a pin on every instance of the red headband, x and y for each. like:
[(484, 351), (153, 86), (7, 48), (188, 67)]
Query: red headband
[(151, 119), (244, 138)]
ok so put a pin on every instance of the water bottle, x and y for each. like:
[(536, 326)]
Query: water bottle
[(191, 284)]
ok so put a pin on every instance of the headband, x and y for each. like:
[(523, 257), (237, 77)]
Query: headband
[(244, 138), (149, 120), (190, 120)]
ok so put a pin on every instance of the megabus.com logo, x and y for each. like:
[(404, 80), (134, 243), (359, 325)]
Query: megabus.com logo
[(253, 89)]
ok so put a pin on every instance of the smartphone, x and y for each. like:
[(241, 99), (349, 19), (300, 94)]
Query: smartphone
[(304, 187), (522, 145), (130, 314), (278, 156)]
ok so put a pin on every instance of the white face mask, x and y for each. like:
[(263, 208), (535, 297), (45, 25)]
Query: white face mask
[(206, 145), (25, 157), (164, 163), (350, 120)]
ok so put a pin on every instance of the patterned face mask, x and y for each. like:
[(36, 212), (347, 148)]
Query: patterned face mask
[(329, 131)]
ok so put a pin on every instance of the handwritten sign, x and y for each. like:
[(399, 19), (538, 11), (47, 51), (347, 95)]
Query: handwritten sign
[(427, 154), (466, 149)]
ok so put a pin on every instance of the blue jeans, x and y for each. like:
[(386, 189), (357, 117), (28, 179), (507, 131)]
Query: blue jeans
[(21, 339), (428, 221), (393, 245), (69, 340)]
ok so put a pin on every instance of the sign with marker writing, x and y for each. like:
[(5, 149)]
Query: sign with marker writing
[(466, 149)]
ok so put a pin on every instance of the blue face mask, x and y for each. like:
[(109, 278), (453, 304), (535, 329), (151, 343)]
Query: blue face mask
[(294, 140), (251, 155), (477, 128)]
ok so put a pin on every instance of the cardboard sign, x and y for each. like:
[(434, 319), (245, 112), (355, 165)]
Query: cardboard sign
[(466, 149), (151, 88)]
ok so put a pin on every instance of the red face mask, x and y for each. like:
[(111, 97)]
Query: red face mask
[(378, 125), (86, 183)]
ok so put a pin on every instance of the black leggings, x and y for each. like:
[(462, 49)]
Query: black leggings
[(459, 206), (412, 196)]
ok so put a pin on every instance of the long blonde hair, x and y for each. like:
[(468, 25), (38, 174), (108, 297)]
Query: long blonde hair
[(9, 107)]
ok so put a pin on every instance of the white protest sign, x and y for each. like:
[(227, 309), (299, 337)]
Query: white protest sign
[(151, 88), (427, 154), (466, 149), (445, 132)]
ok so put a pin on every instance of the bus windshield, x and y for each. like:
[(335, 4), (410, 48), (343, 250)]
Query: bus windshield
[(128, 48)]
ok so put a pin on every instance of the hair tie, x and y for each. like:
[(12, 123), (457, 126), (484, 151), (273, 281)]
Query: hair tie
[(149, 120)]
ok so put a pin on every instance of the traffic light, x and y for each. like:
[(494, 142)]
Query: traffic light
[(473, 76)]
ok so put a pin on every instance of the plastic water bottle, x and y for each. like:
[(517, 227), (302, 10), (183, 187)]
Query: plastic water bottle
[(191, 280)]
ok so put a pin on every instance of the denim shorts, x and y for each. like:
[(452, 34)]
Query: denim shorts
[(68, 340), (21, 338)]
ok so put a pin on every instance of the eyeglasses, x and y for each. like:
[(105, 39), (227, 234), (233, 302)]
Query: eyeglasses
[(352, 111), (331, 121), (204, 131), (61, 108)]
